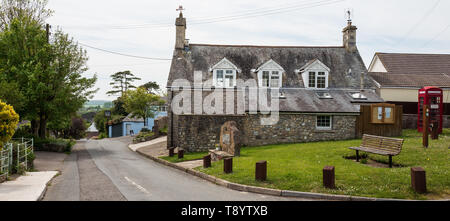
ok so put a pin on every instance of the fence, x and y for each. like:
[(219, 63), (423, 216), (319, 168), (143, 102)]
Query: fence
[(21, 150), (5, 161), (14, 153)]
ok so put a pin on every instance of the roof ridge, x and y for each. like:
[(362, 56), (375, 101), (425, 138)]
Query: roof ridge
[(402, 53), (265, 46)]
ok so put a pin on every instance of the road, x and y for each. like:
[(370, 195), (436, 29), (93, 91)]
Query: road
[(107, 170)]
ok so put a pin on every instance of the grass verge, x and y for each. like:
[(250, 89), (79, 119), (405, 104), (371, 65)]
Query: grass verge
[(299, 167), (187, 157)]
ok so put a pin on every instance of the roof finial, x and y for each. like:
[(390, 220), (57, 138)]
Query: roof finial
[(181, 9), (349, 16)]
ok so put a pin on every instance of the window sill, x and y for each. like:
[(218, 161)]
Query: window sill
[(324, 131)]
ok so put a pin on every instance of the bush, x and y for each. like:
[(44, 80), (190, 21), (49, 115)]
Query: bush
[(77, 128), (145, 130), (54, 145), (144, 136), (8, 122), (163, 131), (102, 136)]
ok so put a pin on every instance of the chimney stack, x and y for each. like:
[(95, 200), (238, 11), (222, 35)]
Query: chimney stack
[(350, 37), (180, 31)]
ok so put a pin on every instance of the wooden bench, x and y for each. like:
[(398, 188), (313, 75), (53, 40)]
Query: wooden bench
[(379, 145)]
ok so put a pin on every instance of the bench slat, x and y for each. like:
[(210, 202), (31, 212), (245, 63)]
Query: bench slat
[(380, 145)]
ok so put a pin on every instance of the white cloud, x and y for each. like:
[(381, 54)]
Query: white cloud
[(382, 26)]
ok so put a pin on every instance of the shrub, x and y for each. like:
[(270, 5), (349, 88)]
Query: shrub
[(77, 128), (163, 131), (53, 145), (8, 122), (102, 136), (144, 136)]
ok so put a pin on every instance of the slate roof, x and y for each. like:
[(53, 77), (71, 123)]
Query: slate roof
[(398, 63), (202, 57), (307, 101), (411, 80), (132, 119)]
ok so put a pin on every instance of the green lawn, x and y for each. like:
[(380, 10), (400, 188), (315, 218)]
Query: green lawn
[(299, 167), (187, 157)]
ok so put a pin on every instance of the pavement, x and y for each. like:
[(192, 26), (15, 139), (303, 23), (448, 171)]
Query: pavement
[(161, 150), (29, 187)]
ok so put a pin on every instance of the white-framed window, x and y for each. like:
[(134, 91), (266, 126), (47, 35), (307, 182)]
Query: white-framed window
[(224, 78), (271, 79), (224, 74), (315, 75), (270, 75), (324, 122), (317, 79)]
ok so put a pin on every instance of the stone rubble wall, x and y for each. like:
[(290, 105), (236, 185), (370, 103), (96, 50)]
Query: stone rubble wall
[(199, 132)]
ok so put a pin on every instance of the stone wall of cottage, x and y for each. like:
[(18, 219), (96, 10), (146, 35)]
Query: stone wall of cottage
[(200, 133), (297, 128)]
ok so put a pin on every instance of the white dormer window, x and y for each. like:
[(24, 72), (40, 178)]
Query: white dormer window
[(224, 74), (270, 75), (315, 75)]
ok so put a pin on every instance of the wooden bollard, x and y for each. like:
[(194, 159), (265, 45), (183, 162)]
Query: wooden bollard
[(418, 180), (207, 161), (171, 152), (180, 154), (328, 177), (228, 165), (261, 171)]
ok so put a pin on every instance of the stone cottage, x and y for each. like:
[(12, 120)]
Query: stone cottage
[(318, 91)]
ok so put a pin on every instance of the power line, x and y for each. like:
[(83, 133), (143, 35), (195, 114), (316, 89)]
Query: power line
[(253, 13), (193, 19), (122, 54), (415, 26), (436, 36)]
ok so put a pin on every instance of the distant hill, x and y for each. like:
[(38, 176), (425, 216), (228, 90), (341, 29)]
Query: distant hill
[(96, 103), (95, 106)]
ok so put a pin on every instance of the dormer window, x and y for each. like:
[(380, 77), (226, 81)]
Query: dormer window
[(315, 74), (270, 75), (224, 74)]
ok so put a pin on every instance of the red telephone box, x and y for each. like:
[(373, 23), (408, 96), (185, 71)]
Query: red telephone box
[(433, 97)]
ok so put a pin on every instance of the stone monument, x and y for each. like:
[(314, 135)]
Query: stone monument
[(229, 142)]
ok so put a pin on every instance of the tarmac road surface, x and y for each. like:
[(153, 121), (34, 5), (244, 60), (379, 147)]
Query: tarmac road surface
[(107, 170)]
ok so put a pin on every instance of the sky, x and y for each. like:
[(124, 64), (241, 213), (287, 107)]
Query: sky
[(146, 28)]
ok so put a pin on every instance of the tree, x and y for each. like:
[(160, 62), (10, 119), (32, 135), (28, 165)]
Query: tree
[(122, 81), (8, 122), (48, 73), (152, 87), (35, 10), (119, 107), (138, 102)]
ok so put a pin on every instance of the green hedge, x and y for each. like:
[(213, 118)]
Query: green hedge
[(54, 145)]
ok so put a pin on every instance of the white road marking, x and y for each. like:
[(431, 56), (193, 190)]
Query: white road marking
[(137, 185)]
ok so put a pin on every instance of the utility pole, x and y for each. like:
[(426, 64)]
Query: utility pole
[(425, 126), (47, 30)]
